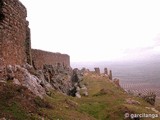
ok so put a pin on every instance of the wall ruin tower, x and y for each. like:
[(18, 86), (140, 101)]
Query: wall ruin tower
[(15, 44), (15, 39)]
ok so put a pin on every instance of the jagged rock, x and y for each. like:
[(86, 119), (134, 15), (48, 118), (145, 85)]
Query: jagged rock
[(131, 101), (1, 69), (2, 81), (85, 93), (40, 75), (27, 66), (84, 90), (16, 81), (31, 82), (40, 82), (150, 98), (10, 72), (72, 91), (78, 95), (77, 76), (60, 68), (57, 76), (116, 82), (3, 118), (78, 87)]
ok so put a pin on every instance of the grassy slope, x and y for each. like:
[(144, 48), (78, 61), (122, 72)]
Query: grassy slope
[(106, 105), (18, 103)]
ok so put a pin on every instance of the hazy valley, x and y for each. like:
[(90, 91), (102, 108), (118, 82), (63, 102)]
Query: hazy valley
[(137, 76)]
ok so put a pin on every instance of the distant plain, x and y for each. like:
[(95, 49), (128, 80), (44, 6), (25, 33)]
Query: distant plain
[(135, 76)]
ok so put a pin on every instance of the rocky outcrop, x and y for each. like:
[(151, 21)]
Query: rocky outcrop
[(21, 76), (150, 98), (116, 81), (59, 77), (39, 71), (78, 88), (40, 82), (132, 101)]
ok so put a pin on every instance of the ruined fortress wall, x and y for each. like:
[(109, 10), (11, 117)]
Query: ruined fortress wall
[(14, 33), (15, 41), (40, 58)]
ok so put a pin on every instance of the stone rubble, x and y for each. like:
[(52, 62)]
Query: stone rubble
[(21, 76), (40, 82), (39, 71), (78, 88), (132, 101)]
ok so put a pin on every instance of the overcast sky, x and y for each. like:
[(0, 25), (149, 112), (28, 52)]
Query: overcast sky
[(96, 30)]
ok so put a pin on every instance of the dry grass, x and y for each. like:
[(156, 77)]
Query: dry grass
[(106, 101)]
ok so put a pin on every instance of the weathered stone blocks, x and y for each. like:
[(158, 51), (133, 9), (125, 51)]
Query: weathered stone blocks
[(13, 27), (15, 39), (40, 58), (97, 70), (110, 74)]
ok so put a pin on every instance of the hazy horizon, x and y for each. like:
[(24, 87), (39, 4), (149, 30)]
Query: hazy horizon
[(92, 64), (91, 30), (132, 72)]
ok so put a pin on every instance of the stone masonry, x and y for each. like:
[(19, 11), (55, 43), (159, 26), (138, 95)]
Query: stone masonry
[(14, 42), (18, 60), (39, 58), (97, 70), (15, 39), (106, 71)]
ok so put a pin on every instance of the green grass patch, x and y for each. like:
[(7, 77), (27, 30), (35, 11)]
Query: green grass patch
[(14, 111), (106, 101), (93, 109)]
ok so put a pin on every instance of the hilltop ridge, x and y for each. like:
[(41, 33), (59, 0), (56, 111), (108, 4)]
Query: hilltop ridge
[(105, 100), (36, 84)]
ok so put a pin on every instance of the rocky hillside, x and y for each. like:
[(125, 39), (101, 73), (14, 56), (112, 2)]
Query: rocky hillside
[(60, 93), (42, 81)]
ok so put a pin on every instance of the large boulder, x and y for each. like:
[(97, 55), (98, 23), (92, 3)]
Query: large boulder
[(30, 81), (10, 72), (150, 98), (58, 76), (21, 76), (78, 88)]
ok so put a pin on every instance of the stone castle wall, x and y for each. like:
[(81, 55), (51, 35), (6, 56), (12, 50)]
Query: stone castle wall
[(40, 58), (15, 41), (14, 44)]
